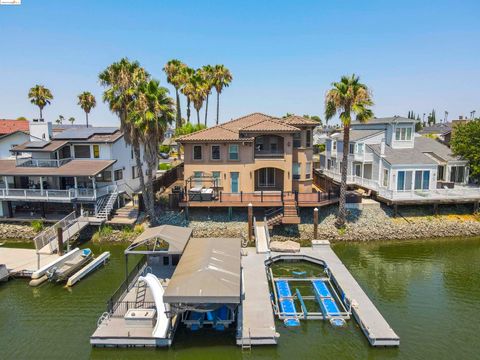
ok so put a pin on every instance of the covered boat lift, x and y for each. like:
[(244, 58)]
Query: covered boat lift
[(205, 288)]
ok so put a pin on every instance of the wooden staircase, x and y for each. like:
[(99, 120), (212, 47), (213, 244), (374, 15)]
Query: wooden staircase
[(288, 214)]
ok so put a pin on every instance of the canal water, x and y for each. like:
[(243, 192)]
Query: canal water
[(429, 292)]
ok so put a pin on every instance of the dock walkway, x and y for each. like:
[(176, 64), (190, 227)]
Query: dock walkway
[(261, 237), (23, 262), (371, 321), (257, 323)]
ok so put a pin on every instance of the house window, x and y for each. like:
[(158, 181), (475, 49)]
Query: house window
[(296, 171), (308, 173), (351, 148), (266, 177), (457, 174), (329, 164), (308, 142), (82, 151), (404, 180), (104, 176), (441, 173), (334, 144), (422, 180), (135, 173), (385, 177), (215, 152), (118, 175), (360, 148), (216, 178), (197, 152), (403, 134), (96, 151), (233, 152), (357, 171), (297, 140)]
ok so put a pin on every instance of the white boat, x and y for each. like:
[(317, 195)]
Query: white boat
[(61, 273), (95, 264), (57, 262)]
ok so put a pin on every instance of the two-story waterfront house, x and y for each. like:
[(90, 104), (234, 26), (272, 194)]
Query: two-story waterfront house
[(89, 168), (389, 158), (256, 159)]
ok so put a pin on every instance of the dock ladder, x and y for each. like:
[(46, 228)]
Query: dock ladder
[(140, 294), (247, 346)]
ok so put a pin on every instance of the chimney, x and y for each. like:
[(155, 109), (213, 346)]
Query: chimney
[(460, 117), (382, 148), (39, 129)]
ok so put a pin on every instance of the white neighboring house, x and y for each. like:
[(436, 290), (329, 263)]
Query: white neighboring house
[(9, 141), (386, 156), (90, 168)]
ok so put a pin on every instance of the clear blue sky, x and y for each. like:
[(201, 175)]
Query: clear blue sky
[(415, 55)]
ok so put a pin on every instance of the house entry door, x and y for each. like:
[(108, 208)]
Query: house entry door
[(234, 182)]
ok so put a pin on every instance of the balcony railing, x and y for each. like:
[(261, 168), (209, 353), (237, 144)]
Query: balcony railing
[(269, 153), (29, 162), (55, 195), (458, 192)]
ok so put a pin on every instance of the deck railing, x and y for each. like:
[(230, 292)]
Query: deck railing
[(458, 192), (54, 195), (29, 162), (123, 306)]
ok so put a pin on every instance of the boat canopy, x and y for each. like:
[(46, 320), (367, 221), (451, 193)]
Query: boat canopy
[(166, 239), (208, 273)]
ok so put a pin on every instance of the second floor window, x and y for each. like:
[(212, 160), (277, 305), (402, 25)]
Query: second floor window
[(197, 152), (105, 176), (308, 172), (385, 177), (135, 173), (118, 175), (96, 151), (297, 140), (82, 151), (296, 171), (403, 133), (334, 145), (215, 152), (233, 152), (351, 148)]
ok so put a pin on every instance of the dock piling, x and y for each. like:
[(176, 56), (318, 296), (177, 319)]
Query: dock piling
[(315, 223), (250, 221), (60, 240)]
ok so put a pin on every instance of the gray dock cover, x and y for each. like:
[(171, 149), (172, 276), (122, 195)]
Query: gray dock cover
[(208, 272)]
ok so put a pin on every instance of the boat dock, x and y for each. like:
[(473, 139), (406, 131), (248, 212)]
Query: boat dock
[(256, 325), (371, 321), (23, 262)]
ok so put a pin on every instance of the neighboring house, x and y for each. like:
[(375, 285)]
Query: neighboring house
[(385, 155), (9, 141), (11, 126), (79, 167)]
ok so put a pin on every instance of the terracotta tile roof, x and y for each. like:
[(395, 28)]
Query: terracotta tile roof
[(231, 131), (270, 125), (299, 120), (9, 126), (72, 168)]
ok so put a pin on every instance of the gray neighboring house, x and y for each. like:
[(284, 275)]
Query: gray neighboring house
[(387, 156)]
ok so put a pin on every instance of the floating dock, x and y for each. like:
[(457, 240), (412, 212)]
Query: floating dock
[(256, 323), (96, 263), (23, 262)]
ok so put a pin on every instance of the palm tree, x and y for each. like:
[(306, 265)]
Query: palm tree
[(200, 90), (347, 97), (187, 88), (60, 119), (207, 73), (174, 69), (151, 111), (122, 79), (221, 79), (71, 119), (40, 96), (87, 102)]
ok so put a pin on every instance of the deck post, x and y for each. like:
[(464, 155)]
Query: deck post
[(250, 221), (395, 210), (475, 207), (315, 223), (241, 196), (261, 196), (60, 240), (126, 267), (435, 209)]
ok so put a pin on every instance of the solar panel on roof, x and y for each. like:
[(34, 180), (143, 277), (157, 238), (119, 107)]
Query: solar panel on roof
[(85, 133), (37, 144)]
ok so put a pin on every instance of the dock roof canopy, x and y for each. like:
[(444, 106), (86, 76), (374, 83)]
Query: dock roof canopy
[(208, 272), (153, 239)]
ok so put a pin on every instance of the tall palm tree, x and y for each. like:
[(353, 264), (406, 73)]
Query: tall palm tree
[(87, 102), (207, 73), (199, 92), (71, 119), (40, 96), (174, 69), (221, 79), (122, 79), (187, 88), (346, 98), (151, 111), (60, 119)]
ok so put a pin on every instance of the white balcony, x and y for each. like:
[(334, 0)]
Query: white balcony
[(458, 192), (29, 162), (55, 195)]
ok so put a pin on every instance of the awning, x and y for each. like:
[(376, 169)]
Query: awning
[(176, 236), (208, 272)]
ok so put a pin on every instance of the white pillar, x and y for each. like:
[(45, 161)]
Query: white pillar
[(5, 180), (75, 182), (41, 185)]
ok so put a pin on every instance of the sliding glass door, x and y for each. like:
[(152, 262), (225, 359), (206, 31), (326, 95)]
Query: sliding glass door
[(422, 180)]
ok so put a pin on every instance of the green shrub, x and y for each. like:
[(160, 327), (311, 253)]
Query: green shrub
[(164, 166), (165, 149), (37, 225), (103, 232), (342, 230), (138, 229)]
